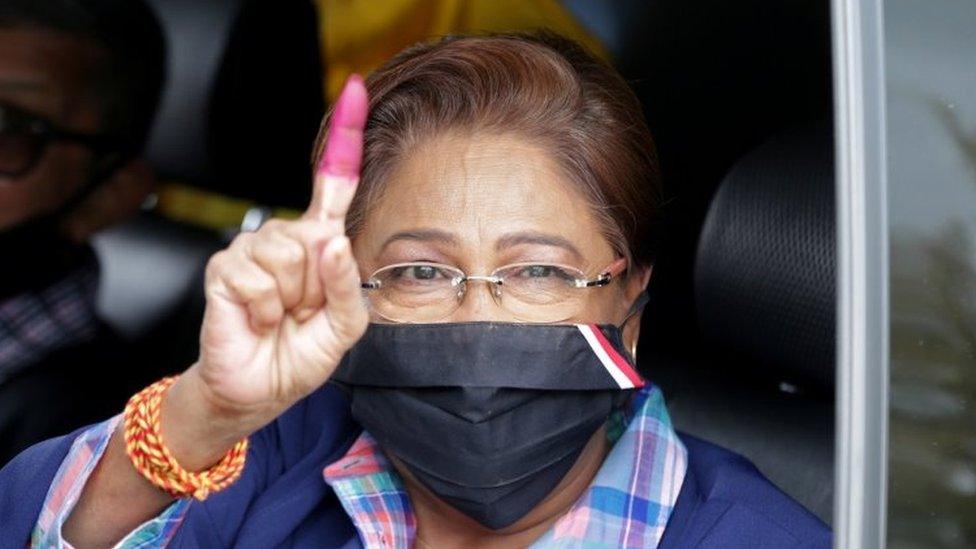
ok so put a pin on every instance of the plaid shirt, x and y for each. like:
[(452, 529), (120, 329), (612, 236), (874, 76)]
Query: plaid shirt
[(35, 324), (66, 487), (627, 505)]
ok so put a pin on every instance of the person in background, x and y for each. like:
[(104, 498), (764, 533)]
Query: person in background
[(80, 81)]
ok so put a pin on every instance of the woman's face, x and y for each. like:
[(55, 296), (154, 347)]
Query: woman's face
[(482, 202)]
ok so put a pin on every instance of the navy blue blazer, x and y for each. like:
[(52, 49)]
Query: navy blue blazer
[(282, 500)]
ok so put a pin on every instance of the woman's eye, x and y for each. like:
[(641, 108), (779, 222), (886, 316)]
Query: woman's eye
[(417, 272), (424, 272), (537, 271), (544, 272)]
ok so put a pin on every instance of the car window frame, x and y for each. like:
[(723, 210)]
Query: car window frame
[(860, 499)]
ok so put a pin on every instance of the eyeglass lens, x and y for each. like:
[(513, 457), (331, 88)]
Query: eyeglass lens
[(19, 145), (430, 292)]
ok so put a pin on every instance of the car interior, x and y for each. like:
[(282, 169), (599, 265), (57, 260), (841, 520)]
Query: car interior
[(739, 330)]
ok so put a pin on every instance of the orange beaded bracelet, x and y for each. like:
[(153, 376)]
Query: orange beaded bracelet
[(144, 444)]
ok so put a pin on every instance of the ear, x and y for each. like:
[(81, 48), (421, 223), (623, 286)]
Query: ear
[(112, 202), (636, 283)]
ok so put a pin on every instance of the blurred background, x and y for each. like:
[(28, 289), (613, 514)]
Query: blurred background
[(739, 331), (931, 112)]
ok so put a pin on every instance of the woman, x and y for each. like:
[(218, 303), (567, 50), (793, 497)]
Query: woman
[(442, 358)]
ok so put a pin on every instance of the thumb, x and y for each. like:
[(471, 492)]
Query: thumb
[(345, 310)]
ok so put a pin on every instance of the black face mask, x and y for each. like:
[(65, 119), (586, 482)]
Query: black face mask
[(39, 251), (38, 255), (488, 416)]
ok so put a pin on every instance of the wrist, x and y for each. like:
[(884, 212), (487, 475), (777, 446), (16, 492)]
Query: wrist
[(195, 429)]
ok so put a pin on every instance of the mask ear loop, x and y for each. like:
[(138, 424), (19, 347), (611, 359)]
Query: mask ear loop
[(635, 308)]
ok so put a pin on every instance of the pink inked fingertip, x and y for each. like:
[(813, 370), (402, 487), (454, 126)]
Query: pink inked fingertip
[(344, 145)]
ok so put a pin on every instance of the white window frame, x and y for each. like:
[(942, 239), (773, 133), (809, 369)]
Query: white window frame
[(860, 500)]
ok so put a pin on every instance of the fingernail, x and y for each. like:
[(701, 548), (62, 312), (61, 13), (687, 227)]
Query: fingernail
[(344, 144)]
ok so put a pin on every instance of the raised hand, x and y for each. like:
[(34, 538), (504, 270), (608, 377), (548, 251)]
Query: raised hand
[(283, 306), (284, 303)]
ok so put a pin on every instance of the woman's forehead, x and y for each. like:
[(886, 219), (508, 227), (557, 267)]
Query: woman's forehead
[(487, 185)]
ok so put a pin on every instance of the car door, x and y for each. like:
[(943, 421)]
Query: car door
[(905, 90)]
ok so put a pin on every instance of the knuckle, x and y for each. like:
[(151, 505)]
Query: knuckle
[(248, 284), (310, 232), (272, 308), (242, 239), (291, 255), (300, 235), (305, 223), (272, 225), (263, 314), (280, 258), (264, 288), (241, 242), (317, 225), (216, 263)]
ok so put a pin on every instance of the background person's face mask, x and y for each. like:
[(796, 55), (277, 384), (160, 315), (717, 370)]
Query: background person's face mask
[(488, 416)]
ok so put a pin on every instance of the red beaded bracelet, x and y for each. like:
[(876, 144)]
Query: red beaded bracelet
[(149, 455)]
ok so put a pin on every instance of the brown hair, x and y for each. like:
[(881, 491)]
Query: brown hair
[(540, 86)]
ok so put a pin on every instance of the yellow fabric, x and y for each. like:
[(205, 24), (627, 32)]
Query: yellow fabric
[(207, 209), (358, 35)]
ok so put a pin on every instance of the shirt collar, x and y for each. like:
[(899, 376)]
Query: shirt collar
[(627, 504), (36, 323)]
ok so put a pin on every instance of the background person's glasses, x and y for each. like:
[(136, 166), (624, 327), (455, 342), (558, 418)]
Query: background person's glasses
[(531, 292), (25, 136)]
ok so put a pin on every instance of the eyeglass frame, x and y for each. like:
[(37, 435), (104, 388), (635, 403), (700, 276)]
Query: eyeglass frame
[(48, 132), (606, 276)]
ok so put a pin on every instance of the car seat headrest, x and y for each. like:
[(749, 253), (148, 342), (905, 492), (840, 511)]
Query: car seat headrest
[(196, 32), (765, 267)]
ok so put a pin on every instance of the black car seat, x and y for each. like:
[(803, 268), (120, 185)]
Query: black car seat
[(762, 383), (717, 80), (239, 114), (149, 291)]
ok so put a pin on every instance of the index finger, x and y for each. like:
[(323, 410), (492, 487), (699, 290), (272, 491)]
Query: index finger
[(337, 174)]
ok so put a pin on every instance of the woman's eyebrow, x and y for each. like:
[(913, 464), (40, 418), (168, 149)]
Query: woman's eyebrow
[(533, 237), (422, 235)]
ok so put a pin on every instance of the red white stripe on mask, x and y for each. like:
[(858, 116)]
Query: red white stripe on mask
[(617, 366)]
